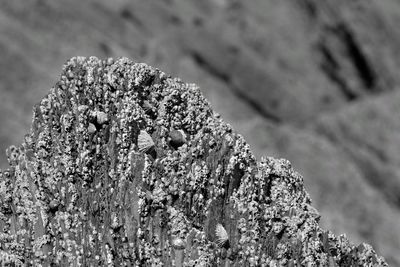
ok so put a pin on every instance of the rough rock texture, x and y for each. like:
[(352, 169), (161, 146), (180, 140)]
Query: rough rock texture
[(312, 81), (126, 166)]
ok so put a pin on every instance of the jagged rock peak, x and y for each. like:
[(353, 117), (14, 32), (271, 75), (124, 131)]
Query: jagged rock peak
[(127, 166)]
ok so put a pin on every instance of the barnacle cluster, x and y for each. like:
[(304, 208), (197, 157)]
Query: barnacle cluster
[(126, 166)]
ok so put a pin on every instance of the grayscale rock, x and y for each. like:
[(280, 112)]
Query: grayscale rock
[(73, 196)]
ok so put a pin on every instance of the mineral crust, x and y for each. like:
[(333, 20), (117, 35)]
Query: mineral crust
[(126, 166)]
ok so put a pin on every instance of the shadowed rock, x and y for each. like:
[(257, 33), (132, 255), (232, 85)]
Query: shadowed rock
[(81, 190)]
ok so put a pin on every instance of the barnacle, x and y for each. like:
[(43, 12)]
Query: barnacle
[(79, 175), (145, 142), (222, 235)]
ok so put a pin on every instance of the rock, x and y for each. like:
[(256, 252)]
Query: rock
[(177, 138), (272, 69), (122, 207), (101, 117)]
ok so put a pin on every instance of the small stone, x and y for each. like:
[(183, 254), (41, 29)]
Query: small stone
[(177, 138), (110, 61), (54, 204), (101, 117)]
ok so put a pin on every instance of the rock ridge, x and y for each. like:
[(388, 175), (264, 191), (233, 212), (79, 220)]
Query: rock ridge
[(127, 166)]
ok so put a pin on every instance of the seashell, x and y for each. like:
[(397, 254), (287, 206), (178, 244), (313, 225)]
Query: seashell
[(222, 235), (145, 142), (91, 128)]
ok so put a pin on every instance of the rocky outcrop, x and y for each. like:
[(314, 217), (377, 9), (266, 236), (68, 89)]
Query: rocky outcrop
[(127, 166)]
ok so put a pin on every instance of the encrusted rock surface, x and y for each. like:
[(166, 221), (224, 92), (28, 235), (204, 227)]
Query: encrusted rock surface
[(126, 166), (316, 82)]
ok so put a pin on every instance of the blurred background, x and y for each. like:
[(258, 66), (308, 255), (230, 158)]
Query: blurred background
[(316, 82)]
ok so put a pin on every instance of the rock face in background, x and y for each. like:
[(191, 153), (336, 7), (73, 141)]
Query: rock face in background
[(312, 81), (125, 166)]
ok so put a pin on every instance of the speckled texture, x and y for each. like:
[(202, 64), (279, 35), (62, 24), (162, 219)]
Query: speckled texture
[(81, 191)]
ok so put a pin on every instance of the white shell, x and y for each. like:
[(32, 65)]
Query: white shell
[(91, 128), (145, 142), (222, 235)]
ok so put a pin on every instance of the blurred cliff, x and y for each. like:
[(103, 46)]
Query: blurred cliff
[(312, 81)]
